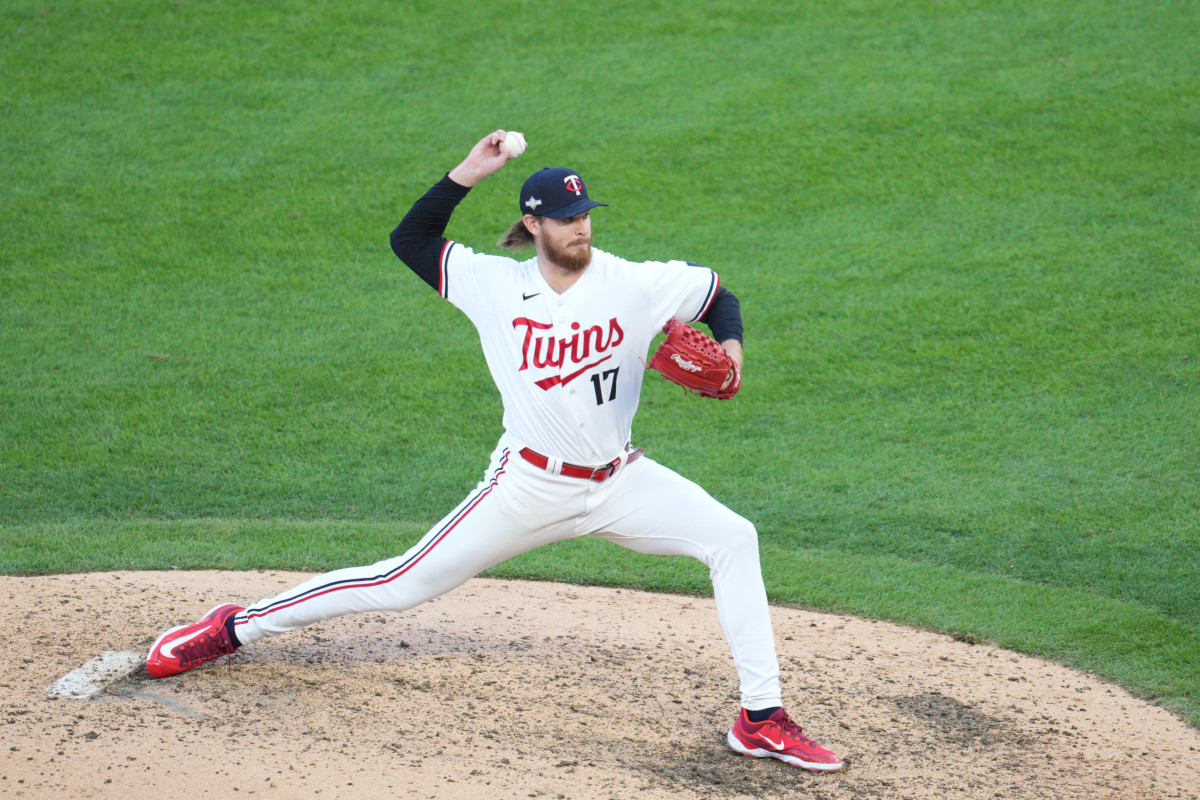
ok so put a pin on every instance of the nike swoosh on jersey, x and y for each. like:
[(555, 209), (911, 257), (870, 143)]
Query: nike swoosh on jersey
[(555, 380), (527, 296)]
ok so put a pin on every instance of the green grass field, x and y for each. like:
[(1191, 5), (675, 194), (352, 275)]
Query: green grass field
[(964, 236)]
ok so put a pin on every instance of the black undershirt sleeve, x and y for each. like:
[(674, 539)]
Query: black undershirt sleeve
[(419, 238), (724, 316)]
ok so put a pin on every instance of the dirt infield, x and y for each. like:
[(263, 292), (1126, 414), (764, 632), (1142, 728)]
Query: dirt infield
[(516, 690)]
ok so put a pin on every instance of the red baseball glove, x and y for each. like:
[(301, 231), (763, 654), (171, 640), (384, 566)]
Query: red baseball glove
[(696, 362)]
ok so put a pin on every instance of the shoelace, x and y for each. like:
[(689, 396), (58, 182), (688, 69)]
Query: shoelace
[(203, 649), (794, 730)]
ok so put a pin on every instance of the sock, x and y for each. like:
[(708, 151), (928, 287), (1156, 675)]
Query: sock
[(762, 715), (233, 640)]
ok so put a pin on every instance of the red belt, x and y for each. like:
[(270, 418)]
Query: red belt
[(575, 471)]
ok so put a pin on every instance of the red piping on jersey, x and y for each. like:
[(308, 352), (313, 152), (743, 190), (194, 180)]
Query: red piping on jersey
[(442, 259), (712, 295)]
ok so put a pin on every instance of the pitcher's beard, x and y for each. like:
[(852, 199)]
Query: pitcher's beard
[(575, 259)]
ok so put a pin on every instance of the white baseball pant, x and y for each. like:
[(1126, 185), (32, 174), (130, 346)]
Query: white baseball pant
[(518, 507)]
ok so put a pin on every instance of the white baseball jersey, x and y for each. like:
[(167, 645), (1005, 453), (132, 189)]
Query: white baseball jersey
[(569, 367)]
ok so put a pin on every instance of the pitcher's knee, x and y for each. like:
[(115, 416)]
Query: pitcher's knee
[(742, 534)]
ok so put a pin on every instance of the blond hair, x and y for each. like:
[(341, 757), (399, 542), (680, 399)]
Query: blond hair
[(517, 237)]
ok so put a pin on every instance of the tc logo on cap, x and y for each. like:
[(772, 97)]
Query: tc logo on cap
[(573, 183)]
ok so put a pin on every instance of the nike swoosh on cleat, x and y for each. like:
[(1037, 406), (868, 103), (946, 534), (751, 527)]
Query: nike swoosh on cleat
[(773, 744), (166, 651)]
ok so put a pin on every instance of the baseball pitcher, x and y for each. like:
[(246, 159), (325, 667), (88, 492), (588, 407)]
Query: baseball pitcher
[(566, 334)]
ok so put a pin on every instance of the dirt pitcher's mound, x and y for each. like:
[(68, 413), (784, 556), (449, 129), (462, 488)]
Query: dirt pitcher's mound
[(505, 689)]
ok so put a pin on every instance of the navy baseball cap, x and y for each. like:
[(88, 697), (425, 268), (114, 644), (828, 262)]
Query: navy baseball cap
[(556, 192)]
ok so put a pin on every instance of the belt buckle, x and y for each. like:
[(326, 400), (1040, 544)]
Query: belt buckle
[(604, 473)]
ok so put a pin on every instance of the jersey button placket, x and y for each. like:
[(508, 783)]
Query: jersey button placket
[(565, 332)]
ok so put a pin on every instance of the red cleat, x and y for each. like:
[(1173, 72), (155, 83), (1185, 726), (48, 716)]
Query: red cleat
[(779, 737), (188, 646)]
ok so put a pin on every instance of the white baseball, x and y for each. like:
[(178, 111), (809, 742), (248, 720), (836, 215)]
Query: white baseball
[(514, 144)]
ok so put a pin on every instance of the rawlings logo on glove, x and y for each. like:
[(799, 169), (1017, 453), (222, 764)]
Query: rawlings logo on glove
[(696, 362), (689, 366)]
